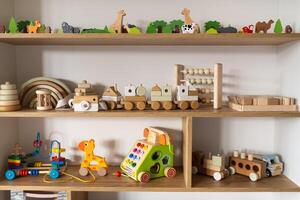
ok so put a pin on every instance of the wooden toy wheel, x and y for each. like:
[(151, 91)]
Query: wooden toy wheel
[(141, 105), (102, 171), (231, 170), (253, 176), (167, 105), (83, 171), (112, 105), (144, 177), (217, 176), (128, 105), (195, 105), (170, 172), (183, 105), (155, 105)]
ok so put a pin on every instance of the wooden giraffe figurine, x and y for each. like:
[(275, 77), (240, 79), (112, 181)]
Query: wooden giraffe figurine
[(189, 25), (118, 25), (91, 162)]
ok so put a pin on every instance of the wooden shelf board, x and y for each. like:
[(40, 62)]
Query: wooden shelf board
[(203, 112), (239, 183), (109, 183), (236, 39)]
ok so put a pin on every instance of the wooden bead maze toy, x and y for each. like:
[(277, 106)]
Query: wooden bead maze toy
[(151, 157), (199, 86), (90, 158)]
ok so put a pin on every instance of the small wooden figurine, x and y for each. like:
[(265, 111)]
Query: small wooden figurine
[(13, 26), (117, 26), (211, 27), (32, 28), (278, 27), (228, 29), (151, 157), (9, 100), (288, 29), (211, 165), (247, 165), (2, 28), (91, 161), (69, 29), (189, 25), (263, 26), (43, 100), (161, 97), (135, 97), (248, 29)]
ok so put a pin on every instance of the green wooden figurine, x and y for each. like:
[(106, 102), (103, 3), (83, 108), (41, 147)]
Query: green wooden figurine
[(211, 27), (278, 26), (13, 27)]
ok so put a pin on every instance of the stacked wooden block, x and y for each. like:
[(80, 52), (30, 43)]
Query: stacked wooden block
[(9, 100)]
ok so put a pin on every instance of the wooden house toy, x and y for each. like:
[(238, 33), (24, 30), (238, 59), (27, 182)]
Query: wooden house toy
[(161, 97), (207, 81), (43, 100), (85, 99), (211, 165), (9, 100), (247, 165), (151, 157), (112, 97), (262, 103), (135, 97), (91, 161)]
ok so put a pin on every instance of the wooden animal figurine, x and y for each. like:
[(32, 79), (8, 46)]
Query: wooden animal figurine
[(69, 29), (228, 29), (247, 165), (88, 163), (189, 25), (43, 100), (288, 29), (117, 26), (32, 28), (263, 26), (248, 29), (151, 157)]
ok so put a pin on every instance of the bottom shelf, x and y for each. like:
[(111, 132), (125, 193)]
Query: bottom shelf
[(111, 183)]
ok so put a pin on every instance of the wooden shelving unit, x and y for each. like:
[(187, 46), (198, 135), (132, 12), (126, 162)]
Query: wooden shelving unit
[(149, 39)]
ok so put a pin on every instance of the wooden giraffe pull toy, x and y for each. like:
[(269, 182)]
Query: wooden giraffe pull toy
[(90, 159)]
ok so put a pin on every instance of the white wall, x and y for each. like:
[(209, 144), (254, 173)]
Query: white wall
[(248, 70)]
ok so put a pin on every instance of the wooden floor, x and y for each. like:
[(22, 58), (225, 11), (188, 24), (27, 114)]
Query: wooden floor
[(234, 39), (202, 112), (111, 183)]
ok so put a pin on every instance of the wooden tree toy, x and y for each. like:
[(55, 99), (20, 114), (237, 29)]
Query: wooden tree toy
[(205, 84), (278, 27), (9, 100), (117, 26), (43, 100), (151, 157), (90, 158), (189, 25), (263, 26), (32, 28), (13, 27)]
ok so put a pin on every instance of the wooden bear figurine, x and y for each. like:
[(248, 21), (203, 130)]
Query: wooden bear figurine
[(263, 26)]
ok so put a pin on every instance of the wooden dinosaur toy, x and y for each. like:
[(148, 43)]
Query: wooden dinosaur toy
[(263, 26), (189, 25), (91, 161), (32, 28), (117, 27)]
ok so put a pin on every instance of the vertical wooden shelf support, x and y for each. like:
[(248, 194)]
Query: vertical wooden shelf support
[(77, 195), (187, 126)]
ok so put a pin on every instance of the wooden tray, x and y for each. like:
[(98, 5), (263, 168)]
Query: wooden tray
[(282, 108)]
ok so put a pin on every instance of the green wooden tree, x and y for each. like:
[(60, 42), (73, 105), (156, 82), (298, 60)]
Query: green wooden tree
[(159, 24), (151, 28), (278, 27), (167, 29), (13, 27), (22, 26), (176, 25), (212, 24)]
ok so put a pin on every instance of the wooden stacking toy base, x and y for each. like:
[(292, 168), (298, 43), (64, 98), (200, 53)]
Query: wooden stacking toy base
[(9, 100), (10, 108)]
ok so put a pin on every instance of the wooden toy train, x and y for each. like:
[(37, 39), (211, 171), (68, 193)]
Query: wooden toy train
[(205, 89)]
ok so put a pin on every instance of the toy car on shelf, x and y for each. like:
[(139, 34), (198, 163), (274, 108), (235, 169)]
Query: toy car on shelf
[(274, 166)]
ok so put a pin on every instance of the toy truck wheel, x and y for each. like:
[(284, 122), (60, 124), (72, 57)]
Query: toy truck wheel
[(170, 172), (231, 170), (141, 105), (217, 176), (83, 171), (155, 105), (102, 171), (195, 105), (268, 173), (167, 105), (253, 176), (112, 105), (54, 174), (10, 175), (183, 105), (195, 170), (128, 106), (144, 177)]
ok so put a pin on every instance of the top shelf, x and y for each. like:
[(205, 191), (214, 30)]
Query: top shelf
[(234, 39)]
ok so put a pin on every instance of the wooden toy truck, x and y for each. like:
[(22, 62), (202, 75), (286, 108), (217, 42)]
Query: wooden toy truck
[(211, 165), (151, 157)]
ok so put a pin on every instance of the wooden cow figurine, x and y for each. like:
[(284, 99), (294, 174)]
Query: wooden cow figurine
[(117, 27), (189, 25), (263, 26)]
